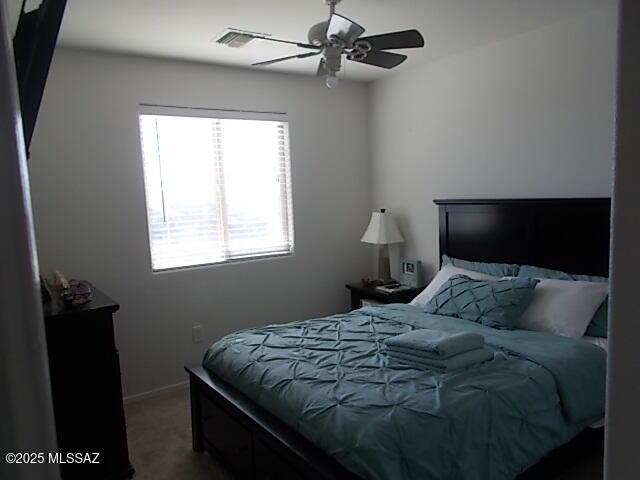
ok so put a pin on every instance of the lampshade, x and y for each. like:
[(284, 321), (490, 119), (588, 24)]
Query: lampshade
[(382, 230)]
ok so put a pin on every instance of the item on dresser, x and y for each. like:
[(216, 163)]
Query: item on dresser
[(382, 231), (79, 293), (59, 282), (74, 292)]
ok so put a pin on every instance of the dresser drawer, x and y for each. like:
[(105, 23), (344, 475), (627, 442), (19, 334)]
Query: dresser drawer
[(230, 440)]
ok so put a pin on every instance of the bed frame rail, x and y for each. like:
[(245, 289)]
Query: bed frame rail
[(252, 444), (248, 441)]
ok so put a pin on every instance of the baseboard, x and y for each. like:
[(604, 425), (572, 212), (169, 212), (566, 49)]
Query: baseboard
[(156, 392)]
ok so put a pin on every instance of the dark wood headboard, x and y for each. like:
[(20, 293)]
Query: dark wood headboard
[(570, 234)]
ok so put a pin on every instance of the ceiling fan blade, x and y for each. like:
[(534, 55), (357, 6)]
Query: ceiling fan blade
[(382, 59), (344, 29), (322, 68), (277, 60), (391, 41), (301, 45)]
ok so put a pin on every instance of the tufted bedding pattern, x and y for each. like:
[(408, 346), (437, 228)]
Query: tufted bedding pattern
[(330, 380)]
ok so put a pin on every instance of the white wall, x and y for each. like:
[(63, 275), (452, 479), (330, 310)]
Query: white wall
[(530, 116), (90, 215), (623, 417)]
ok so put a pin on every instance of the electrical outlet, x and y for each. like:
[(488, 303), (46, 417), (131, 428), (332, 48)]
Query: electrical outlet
[(196, 333)]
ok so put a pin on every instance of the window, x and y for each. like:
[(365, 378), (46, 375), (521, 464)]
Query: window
[(218, 185)]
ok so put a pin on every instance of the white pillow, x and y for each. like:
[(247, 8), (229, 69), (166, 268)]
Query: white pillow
[(563, 307), (443, 275)]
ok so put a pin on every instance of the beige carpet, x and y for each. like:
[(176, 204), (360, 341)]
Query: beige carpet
[(159, 432)]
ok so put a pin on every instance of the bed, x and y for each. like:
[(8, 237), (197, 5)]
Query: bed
[(316, 399)]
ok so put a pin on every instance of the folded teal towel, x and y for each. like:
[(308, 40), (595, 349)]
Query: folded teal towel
[(455, 362), (434, 344)]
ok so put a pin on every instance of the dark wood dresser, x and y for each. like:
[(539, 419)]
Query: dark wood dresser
[(85, 382)]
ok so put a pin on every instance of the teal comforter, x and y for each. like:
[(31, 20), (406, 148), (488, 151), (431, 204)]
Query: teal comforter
[(330, 379)]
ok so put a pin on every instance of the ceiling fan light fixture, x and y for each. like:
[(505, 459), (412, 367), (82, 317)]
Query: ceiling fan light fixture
[(332, 81), (343, 29), (336, 41), (318, 34), (363, 46), (356, 56)]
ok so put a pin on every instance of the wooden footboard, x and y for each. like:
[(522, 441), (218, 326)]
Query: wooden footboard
[(248, 441), (251, 443)]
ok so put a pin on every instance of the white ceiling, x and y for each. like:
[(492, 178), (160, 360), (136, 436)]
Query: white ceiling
[(185, 28)]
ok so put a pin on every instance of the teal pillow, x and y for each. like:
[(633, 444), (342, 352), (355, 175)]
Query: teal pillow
[(493, 269), (493, 303), (539, 272), (599, 323)]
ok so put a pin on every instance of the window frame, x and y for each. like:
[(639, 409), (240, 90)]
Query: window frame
[(221, 114)]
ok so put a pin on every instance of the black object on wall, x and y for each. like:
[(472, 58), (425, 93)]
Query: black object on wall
[(33, 46)]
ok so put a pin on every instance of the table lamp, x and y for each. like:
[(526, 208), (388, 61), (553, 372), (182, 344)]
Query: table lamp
[(382, 231)]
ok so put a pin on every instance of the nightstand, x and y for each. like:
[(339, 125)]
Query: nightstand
[(364, 294)]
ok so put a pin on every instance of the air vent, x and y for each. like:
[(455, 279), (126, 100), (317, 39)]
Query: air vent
[(232, 37)]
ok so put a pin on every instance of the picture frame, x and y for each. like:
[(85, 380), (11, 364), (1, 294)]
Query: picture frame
[(411, 272)]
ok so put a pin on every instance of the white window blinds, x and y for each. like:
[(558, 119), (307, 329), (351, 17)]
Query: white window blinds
[(218, 185)]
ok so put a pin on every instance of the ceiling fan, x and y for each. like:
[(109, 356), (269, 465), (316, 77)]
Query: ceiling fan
[(340, 36)]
